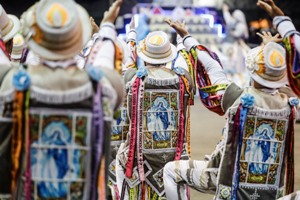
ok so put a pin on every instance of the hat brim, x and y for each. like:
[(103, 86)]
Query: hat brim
[(147, 59), (71, 51), (14, 30), (269, 84), (16, 56)]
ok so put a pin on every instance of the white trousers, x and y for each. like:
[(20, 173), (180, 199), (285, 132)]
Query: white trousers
[(191, 172), (293, 196)]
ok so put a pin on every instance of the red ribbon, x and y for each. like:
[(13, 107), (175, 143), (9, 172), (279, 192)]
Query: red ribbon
[(181, 128), (289, 150), (140, 132), (133, 128)]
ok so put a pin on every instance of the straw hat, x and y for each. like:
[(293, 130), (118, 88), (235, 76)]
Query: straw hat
[(156, 48), (56, 29), (266, 65), (18, 46), (9, 25)]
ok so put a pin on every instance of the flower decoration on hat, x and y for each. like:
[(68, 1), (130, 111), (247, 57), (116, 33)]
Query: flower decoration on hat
[(141, 72), (95, 73), (247, 100), (254, 60), (21, 80), (294, 101)]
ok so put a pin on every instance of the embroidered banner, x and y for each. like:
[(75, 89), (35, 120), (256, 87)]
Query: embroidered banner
[(60, 154)]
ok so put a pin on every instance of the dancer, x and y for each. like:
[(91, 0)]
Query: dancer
[(258, 135), (56, 117), (291, 37), (158, 97)]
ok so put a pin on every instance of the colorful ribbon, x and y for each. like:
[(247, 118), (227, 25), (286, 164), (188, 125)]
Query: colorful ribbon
[(289, 152), (140, 132), (236, 179), (97, 145), (181, 128), (188, 128), (207, 91), (293, 66), (17, 139), (133, 128), (27, 149)]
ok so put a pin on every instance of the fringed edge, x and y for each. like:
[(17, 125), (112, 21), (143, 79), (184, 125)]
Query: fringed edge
[(7, 96), (270, 113), (162, 82), (58, 97), (260, 112)]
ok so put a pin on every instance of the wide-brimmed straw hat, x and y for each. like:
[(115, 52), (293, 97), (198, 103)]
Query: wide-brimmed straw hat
[(9, 25), (18, 47), (267, 66), (56, 29), (156, 48)]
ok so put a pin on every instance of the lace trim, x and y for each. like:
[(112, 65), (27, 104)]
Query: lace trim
[(260, 112), (7, 96), (58, 97), (162, 82)]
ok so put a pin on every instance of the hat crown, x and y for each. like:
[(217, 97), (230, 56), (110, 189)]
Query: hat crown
[(157, 42), (267, 64), (56, 29), (57, 16), (156, 48)]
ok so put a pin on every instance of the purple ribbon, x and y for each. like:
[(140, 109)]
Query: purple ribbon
[(97, 142)]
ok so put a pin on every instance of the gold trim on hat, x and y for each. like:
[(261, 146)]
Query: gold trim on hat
[(163, 55), (40, 39), (5, 32)]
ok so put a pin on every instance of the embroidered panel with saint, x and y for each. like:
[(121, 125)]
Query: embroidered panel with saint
[(59, 153)]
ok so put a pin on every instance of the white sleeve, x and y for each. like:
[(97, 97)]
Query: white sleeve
[(228, 18), (131, 35), (285, 27), (106, 54), (3, 58), (213, 68), (239, 30)]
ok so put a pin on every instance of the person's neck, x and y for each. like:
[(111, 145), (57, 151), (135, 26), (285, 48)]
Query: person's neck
[(263, 88)]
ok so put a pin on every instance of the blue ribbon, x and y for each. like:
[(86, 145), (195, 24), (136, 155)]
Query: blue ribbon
[(247, 101)]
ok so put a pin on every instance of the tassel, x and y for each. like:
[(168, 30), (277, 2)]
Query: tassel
[(101, 180), (27, 148), (181, 128), (289, 149), (97, 143), (17, 139)]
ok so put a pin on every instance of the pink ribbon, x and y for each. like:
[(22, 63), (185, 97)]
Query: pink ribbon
[(133, 128)]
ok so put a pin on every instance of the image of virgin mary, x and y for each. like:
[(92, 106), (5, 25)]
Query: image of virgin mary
[(260, 151), (51, 163), (160, 119)]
